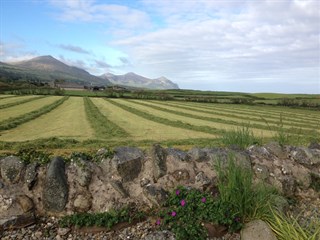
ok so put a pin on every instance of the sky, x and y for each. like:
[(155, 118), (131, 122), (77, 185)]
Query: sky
[(219, 45)]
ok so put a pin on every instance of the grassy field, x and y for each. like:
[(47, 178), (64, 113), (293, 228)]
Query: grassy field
[(80, 122)]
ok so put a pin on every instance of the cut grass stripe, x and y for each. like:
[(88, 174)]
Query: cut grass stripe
[(20, 102), (140, 128), (14, 122), (103, 127), (219, 120), (302, 124), (67, 121), (178, 124), (245, 111)]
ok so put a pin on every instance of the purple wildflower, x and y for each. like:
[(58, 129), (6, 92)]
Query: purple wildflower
[(173, 213), (158, 222), (177, 192), (183, 202), (203, 200)]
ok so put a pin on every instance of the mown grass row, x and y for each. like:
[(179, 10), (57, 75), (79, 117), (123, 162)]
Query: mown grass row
[(14, 122), (301, 124), (225, 121), (266, 111), (177, 124), (20, 102), (267, 115), (6, 97), (103, 127)]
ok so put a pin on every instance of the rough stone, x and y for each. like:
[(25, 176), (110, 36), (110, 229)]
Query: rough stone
[(289, 186), (275, 149), (261, 171), (305, 156), (20, 221), (117, 185), (156, 195), (197, 154), (11, 169), (314, 145), (25, 203), (177, 154), (55, 191), (128, 162), (144, 182), (82, 203), (84, 173), (257, 230), (160, 235), (31, 175), (159, 157), (181, 175), (202, 179)]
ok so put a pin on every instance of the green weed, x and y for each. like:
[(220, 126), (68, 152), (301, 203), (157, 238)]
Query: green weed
[(242, 137)]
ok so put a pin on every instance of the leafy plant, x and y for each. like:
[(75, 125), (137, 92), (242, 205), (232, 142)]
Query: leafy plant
[(106, 219), (31, 155), (242, 137)]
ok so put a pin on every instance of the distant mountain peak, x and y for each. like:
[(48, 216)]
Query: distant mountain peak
[(134, 80)]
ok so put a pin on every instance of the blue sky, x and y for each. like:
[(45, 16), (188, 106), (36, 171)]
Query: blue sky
[(227, 45)]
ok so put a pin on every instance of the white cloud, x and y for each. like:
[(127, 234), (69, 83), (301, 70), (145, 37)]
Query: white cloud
[(214, 41), (114, 16)]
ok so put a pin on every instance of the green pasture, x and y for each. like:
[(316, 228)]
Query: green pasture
[(98, 121), (66, 121), (21, 109)]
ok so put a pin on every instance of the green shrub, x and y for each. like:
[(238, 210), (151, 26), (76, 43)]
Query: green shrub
[(106, 219), (242, 137)]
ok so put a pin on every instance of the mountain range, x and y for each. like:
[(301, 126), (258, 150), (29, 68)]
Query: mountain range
[(48, 69)]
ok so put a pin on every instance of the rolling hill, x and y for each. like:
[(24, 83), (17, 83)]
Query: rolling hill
[(47, 69)]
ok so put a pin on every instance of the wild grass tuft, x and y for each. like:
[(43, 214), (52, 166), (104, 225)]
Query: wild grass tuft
[(288, 228), (238, 193), (242, 137)]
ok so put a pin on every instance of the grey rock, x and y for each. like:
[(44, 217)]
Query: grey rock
[(55, 191), (117, 185), (181, 175), (11, 169), (128, 162), (314, 145), (261, 171), (305, 156), (155, 194), (202, 179), (63, 231), (31, 175), (275, 149), (25, 203), (197, 154), (177, 154), (102, 151), (144, 182), (19, 221), (289, 186), (84, 172), (257, 230), (82, 203), (159, 157), (160, 235)]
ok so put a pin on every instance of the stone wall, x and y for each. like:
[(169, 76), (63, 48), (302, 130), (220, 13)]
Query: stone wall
[(143, 178)]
